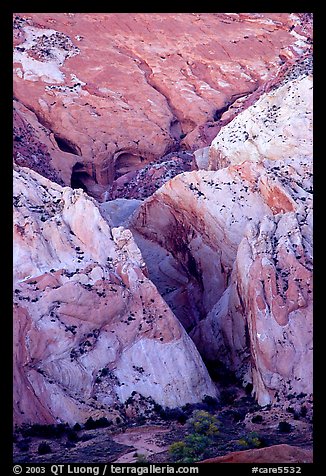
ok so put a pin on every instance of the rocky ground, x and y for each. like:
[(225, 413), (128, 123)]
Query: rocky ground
[(240, 419)]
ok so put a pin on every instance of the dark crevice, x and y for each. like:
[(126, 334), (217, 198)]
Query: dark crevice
[(220, 373), (77, 180), (78, 177), (66, 146), (176, 129), (219, 112)]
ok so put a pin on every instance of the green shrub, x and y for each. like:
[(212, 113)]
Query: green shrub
[(243, 442), (203, 428), (203, 423), (179, 451), (141, 458), (250, 441), (189, 450), (197, 444)]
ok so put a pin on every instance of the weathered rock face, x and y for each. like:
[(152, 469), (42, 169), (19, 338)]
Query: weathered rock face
[(35, 147), (199, 217), (140, 184), (274, 268), (272, 454), (78, 73), (243, 235), (115, 104), (90, 328), (269, 128)]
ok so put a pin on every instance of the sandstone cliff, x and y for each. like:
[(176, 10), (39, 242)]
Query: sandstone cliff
[(90, 328), (243, 236), (77, 73), (122, 107)]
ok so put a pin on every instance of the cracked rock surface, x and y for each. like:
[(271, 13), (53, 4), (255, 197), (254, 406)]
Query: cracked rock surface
[(90, 329), (242, 238), (163, 204), (78, 72)]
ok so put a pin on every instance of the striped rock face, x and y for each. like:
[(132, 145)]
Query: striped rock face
[(243, 234), (119, 91), (125, 297), (272, 454), (91, 329)]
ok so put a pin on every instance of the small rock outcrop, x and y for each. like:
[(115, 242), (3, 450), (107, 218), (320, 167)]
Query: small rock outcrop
[(272, 454)]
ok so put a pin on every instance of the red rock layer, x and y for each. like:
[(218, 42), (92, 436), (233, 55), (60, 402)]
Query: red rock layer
[(127, 89), (272, 454)]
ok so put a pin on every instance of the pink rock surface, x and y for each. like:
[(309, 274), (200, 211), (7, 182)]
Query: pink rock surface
[(243, 235), (90, 328), (121, 90), (35, 147), (272, 454), (268, 127), (112, 103)]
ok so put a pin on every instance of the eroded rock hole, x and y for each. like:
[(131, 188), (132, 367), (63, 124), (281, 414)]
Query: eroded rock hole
[(219, 112), (79, 177), (66, 146), (128, 162), (176, 130)]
